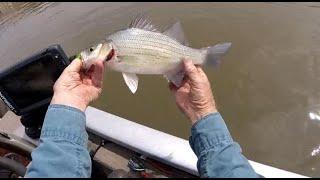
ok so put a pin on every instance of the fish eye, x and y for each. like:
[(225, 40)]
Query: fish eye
[(91, 49)]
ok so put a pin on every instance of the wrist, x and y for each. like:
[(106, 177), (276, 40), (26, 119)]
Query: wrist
[(201, 114), (213, 114), (69, 100)]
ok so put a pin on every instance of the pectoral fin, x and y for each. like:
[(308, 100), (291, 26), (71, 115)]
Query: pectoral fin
[(131, 81)]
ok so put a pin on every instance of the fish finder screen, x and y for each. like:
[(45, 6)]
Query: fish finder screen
[(32, 83)]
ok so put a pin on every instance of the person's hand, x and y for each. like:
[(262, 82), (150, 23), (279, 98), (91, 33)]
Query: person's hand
[(194, 97), (77, 88)]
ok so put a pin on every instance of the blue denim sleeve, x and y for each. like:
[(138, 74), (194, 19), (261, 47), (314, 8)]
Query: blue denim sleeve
[(62, 151), (218, 155)]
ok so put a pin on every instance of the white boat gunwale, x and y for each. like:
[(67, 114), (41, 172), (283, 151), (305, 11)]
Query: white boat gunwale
[(164, 147)]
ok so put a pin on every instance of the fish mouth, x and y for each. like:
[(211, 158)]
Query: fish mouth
[(110, 55)]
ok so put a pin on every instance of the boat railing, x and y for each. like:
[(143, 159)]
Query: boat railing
[(161, 146)]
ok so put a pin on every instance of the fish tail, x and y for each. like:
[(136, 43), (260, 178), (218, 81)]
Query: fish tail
[(214, 53)]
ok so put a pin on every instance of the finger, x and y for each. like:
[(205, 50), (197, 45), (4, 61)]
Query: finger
[(184, 80), (91, 70), (105, 63), (190, 69), (200, 70), (173, 87), (100, 68), (97, 74), (184, 87), (75, 65)]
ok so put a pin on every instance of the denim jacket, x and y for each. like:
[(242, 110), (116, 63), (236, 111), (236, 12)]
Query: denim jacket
[(62, 151), (218, 155)]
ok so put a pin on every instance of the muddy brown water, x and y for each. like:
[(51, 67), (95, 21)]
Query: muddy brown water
[(265, 87)]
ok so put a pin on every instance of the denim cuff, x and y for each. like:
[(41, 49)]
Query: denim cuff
[(209, 133), (65, 123)]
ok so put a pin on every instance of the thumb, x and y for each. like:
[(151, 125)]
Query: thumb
[(75, 65), (190, 70)]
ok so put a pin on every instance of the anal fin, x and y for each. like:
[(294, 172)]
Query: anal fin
[(175, 77)]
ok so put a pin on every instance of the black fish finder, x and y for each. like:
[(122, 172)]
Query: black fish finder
[(27, 87)]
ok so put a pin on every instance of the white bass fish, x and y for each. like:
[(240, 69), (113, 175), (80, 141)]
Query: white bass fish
[(142, 49)]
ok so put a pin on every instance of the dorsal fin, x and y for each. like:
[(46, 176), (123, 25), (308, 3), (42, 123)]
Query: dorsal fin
[(176, 32), (142, 22)]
